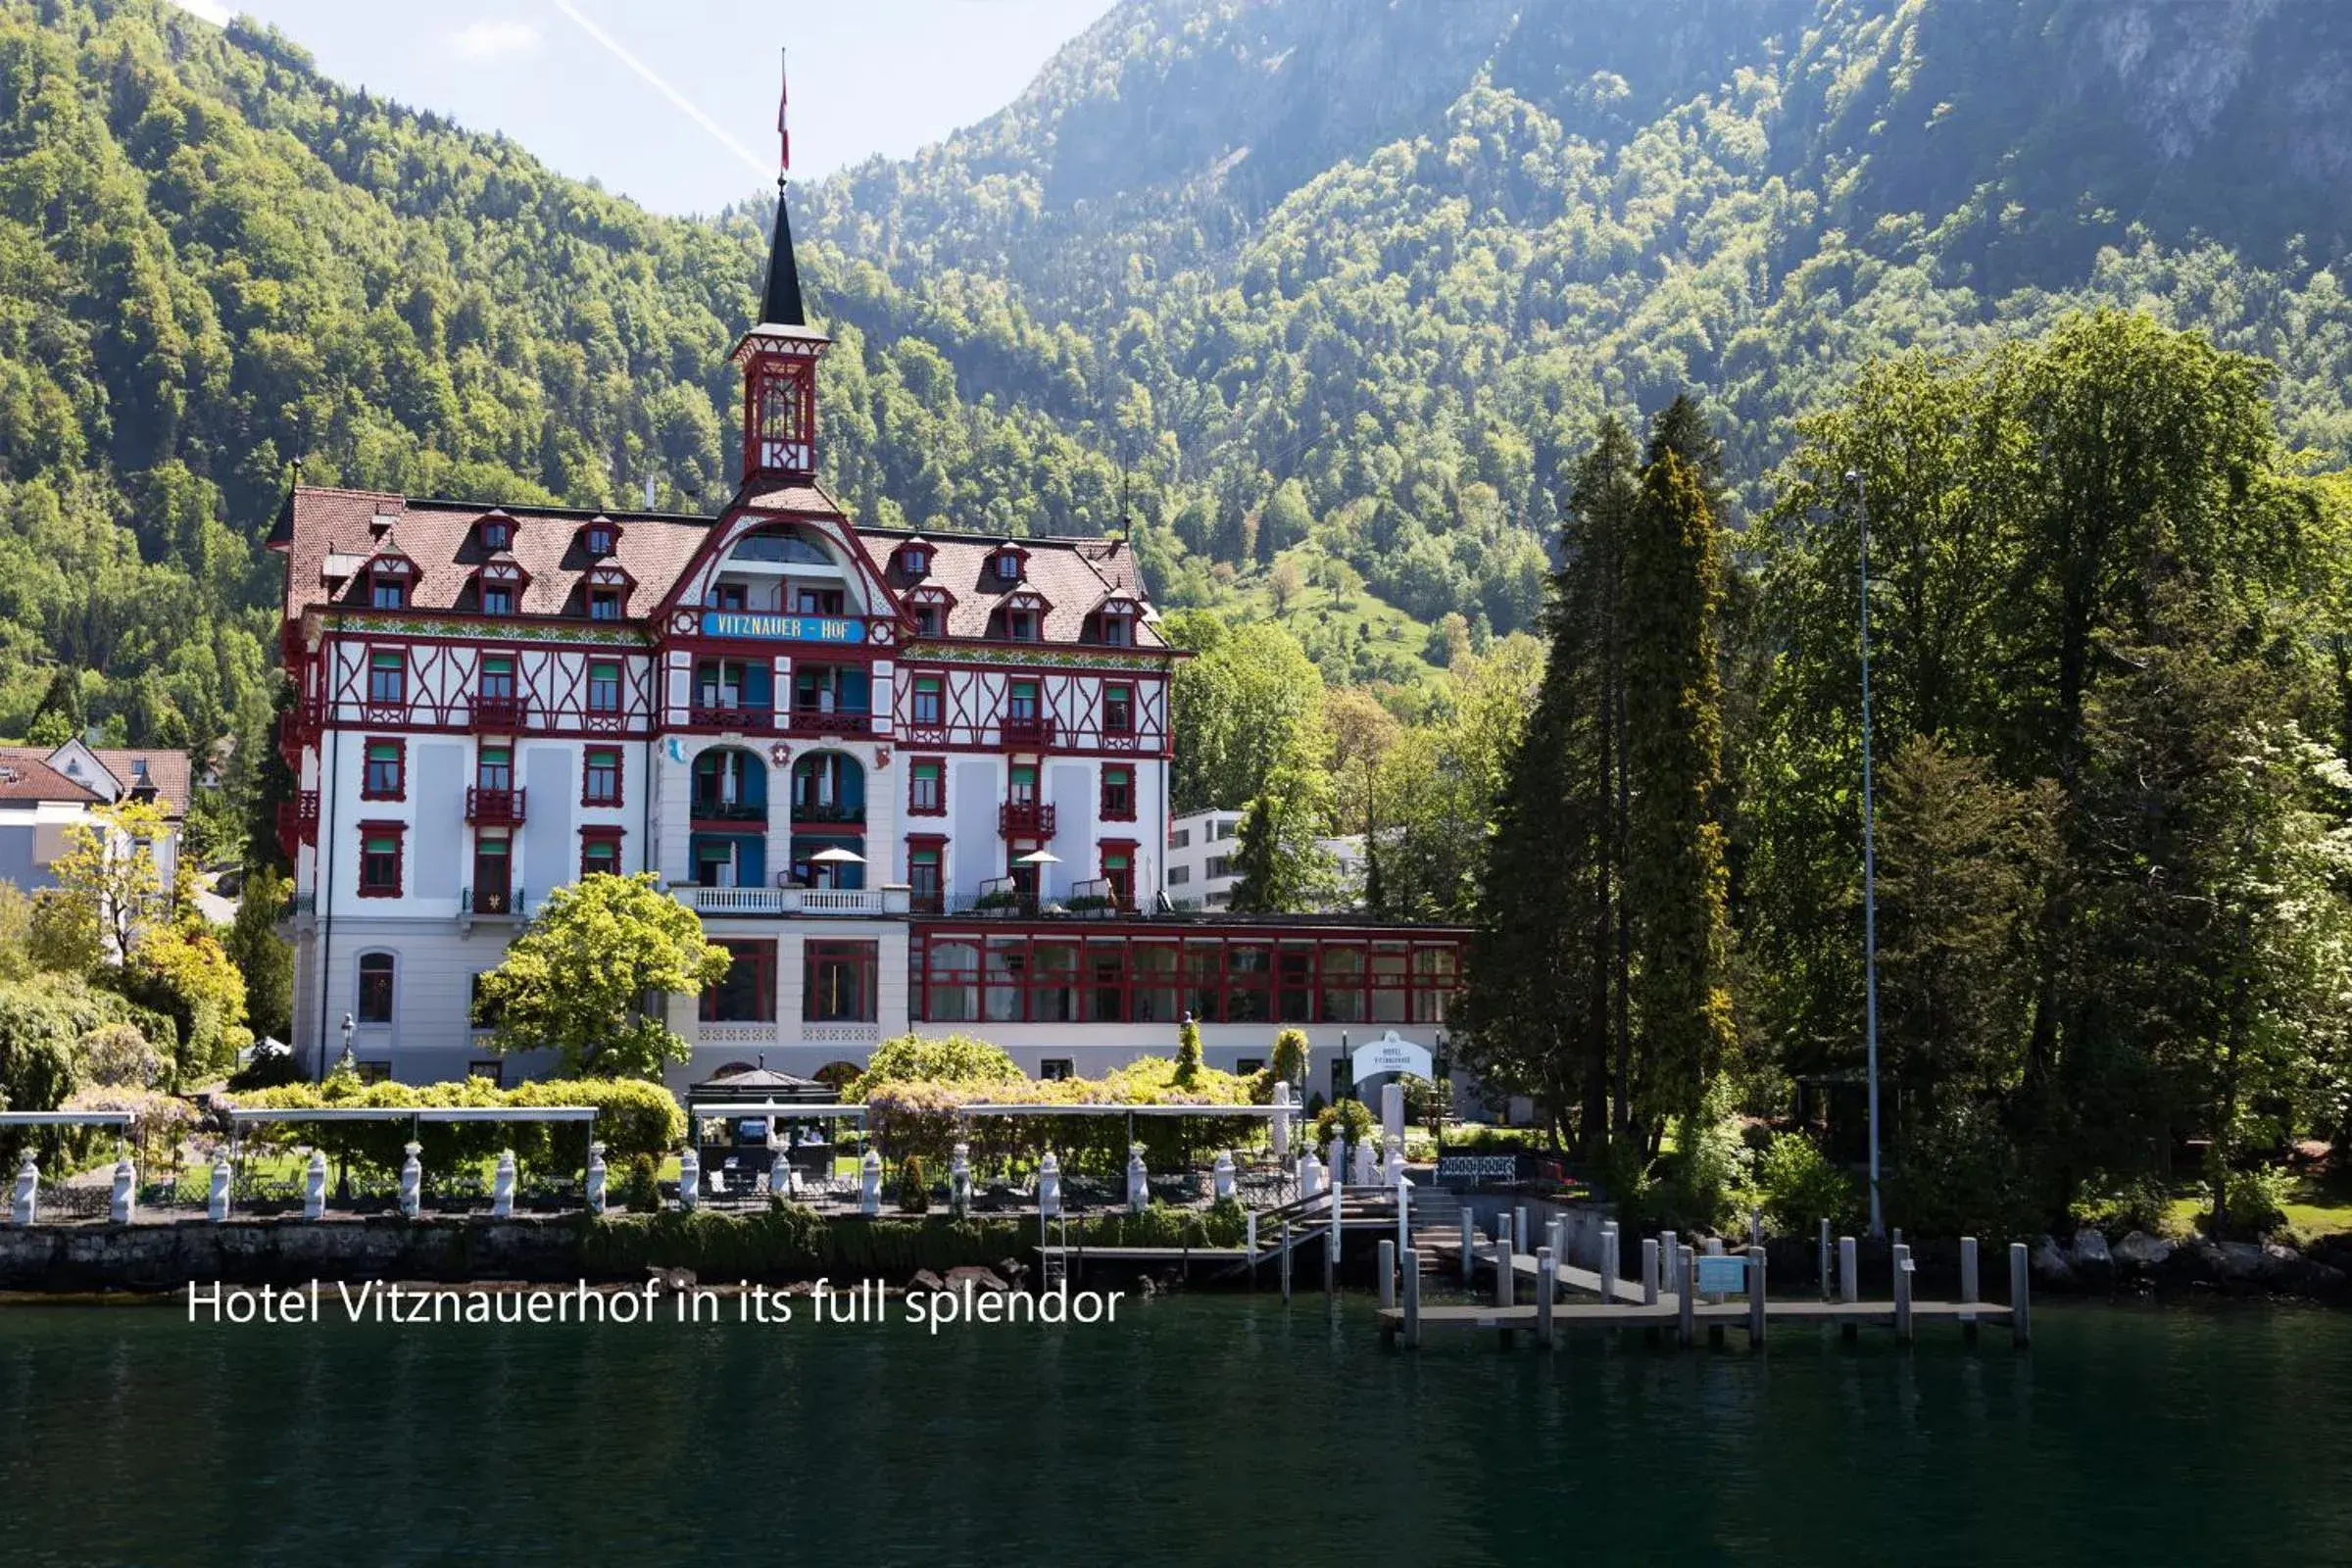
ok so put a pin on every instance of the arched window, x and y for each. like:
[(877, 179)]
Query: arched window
[(376, 972)]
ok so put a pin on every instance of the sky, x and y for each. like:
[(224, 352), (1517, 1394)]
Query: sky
[(674, 102)]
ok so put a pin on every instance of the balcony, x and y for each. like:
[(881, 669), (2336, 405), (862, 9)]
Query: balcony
[(1028, 729), (498, 715), (1025, 820), (743, 718), (831, 721), (711, 809), (298, 819), (828, 811), (489, 904), (883, 901), (486, 807)]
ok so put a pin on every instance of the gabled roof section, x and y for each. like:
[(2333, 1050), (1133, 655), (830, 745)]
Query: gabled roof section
[(26, 777), (441, 537), (1072, 576)]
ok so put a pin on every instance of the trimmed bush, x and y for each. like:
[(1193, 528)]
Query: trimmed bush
[(1797, 1187)]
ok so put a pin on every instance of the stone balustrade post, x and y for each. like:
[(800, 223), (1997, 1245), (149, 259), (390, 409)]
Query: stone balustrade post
[(215, 1205), (23, 1206), (1049, 1187), (314, 1186), (1139, 1180), (594, 1188), (126, 1183), (412, 1181), (690, 1179), (870, 1185), (1221, 1175), (502, 1186), (960, 1180)]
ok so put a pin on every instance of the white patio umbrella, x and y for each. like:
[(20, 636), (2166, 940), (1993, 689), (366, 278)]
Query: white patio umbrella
[(1038, 857), (837, 856)]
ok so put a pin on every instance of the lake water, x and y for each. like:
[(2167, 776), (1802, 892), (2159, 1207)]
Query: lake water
[(1200, 1429)]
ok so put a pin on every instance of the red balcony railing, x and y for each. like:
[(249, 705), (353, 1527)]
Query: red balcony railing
[(298, 822), (815, 721), (500, 716), (745, 718), (1025, 820), (494, 808), (1028, 729)]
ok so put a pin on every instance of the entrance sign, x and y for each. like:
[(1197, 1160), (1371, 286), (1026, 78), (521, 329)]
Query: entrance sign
[(741, 623), (1390, 1052), (1722, 1276)]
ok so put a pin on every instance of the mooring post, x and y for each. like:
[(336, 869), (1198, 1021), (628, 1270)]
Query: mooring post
[(1968, 1287), (1413, 1309), (1670, 1253), (2020, 1330), (1609, 1263), (1544, 1297), (1902, 1294), (1519, 1230), (1286, 1261), (1821, 1266), (1686, 1301), (1469, 1248), (1755, 1299), (1331, 1248), (1649, 1272), (1249, 1236), (1405, 1216), (1502, 1271), (1388, 1273), (1849, 1272)]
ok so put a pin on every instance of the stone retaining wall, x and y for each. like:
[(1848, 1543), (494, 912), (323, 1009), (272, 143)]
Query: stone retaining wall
[(287, 1251)]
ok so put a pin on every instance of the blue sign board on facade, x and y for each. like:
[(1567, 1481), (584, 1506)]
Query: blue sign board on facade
[(744, 623)]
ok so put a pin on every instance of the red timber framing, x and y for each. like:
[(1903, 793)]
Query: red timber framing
[(974, 703), (991, 971), (560, 690)]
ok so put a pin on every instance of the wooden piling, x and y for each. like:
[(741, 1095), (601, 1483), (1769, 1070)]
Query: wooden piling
[(1821, 1266), (1755, 1299), (1649, 1272), (1413, 1308), (1902, 1294), (1968, 1288), (1544, 1276), (1469, 1247), (1388, 1273), (1670, 1254), (1502, 1268), (1686, 1299), (1286, 1261), (1519, 1229), (2020, 1284)]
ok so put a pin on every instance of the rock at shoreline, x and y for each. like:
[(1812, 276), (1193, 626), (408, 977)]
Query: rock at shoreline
[(2141, 1251), (673, 1279), (982, 1280), (2050, 1265), (925, 1281), (2090, 1257)]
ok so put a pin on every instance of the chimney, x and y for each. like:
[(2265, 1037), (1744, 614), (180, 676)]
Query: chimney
[(649, 492)]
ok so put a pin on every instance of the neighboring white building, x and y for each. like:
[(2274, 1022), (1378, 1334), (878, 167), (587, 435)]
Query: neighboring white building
[(910, 782), (44, 790), (1203, 854)]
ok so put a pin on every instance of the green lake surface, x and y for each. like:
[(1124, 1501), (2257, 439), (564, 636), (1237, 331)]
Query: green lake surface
[(1198, 1430)]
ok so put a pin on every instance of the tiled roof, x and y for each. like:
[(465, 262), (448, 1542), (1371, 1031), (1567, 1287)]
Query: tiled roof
[(656, 549), (167, 771), (25, 775)]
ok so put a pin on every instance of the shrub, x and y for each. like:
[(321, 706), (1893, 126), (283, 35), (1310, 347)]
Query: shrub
[(1960, 1175), (641, 1186), (947, 1058), (915, 1192), (115, 1055), (2257, 1199), (1292, 1054), (158, 1121), (632, 1117), (1352, 1116), (1188, 1051), (1797, 1187)]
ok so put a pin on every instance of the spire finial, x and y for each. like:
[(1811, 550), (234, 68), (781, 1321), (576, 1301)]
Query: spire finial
[(780, 305)]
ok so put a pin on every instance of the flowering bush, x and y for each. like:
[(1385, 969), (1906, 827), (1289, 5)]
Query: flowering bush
[(158, 1121)]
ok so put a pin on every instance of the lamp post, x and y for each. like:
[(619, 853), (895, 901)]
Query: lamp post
[(1869, 868)]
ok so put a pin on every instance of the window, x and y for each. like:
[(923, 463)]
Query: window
[(497, 533), (604, 688), (380, 845), (489, 1069), (1179, 875), (817, 602), (1118, 626), (926, 702), (1008, 565), (913, 559), (599, 777), (387, 593), (497, 598), (1022, 625), (1119, 709), (376, 1072), (597, 538), (1248, 1065), (728, 596), (386, 777), (1021, 699), (1118, 793), (1180, 837), (1343, 985), (494, 769), (951, 982), (926, 621), (1054, 1070), (478, 1012), (838, 982), (498, 678), (1218, 865), (748, 992), (924, 862), (376, 988), (387, 678), (1118, 870), (600, 851), (926, 787), (1021, 784), (603, 603)]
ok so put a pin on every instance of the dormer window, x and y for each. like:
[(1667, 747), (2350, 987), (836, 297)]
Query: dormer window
[(606, 593), (1022, 625), (599, 538), (1113, 625), (927, 620), (1008, 567), (913, 558), (497, 598), (498, 533), (386, 592), (1021, 619), (603, 603)]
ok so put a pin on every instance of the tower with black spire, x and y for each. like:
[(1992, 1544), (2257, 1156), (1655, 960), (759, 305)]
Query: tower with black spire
[(778, 356)]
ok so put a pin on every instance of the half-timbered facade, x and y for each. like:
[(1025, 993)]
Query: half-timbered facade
[(908, 779)]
